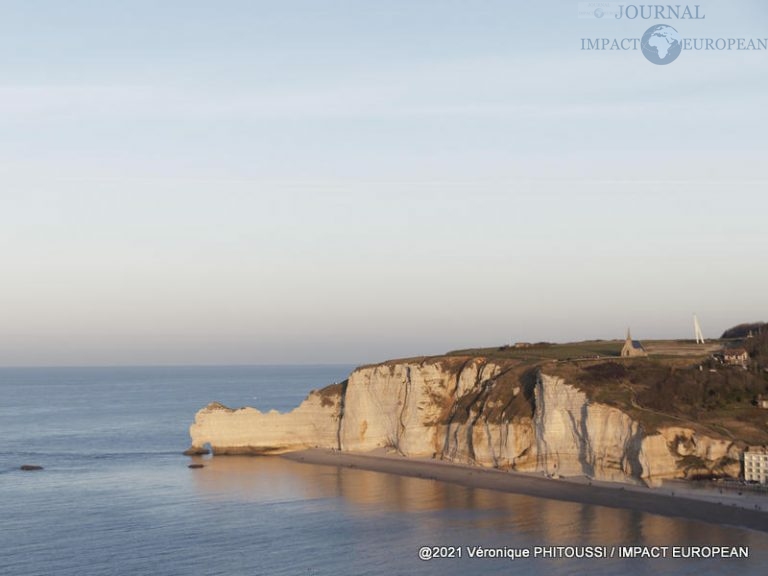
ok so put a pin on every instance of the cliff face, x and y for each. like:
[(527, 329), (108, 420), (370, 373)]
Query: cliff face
[(315, 423), (436, 410), (470, 411), (577, 437)]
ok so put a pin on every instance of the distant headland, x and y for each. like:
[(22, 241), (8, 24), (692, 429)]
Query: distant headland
[(666, 410)]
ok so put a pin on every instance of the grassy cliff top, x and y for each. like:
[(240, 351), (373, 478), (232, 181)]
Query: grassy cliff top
[(718, 400), (593, 349), (678, 384)]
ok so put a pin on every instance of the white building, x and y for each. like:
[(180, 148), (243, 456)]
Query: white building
[(756, 465), (735, 356)]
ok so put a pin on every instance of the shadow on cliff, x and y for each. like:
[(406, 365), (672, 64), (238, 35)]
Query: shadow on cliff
[(527, 382)]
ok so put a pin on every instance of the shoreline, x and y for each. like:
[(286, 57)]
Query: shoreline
[(679, 501)]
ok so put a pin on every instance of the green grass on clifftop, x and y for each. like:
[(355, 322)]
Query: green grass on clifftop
[(546, 351), (721, 403)]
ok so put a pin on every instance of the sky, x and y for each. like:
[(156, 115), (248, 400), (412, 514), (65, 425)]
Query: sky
[(248, 182)]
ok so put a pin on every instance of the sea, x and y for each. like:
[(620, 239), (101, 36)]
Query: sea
[(116, 496)]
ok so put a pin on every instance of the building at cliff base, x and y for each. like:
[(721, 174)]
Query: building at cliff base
[(756, 465), (632, 348)]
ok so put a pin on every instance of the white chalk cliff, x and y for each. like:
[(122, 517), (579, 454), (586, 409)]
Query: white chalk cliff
[(468, 410), (315, 423)]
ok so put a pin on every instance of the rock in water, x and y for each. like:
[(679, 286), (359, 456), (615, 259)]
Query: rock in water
[(196, 466), (30, 467)]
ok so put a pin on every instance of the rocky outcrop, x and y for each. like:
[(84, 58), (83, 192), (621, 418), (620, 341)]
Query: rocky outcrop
[(678, 452), (315, 423), (473, 411)]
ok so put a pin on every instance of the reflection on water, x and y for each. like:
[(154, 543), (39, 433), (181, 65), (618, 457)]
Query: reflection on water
[(532, 521), (116, 497)]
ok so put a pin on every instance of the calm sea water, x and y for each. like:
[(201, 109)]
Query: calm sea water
[(116, 496)]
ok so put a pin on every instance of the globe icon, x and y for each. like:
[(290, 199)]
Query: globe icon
[(661, 44), (599, 13)]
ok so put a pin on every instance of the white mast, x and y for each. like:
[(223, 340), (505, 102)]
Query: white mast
[(697, 330)]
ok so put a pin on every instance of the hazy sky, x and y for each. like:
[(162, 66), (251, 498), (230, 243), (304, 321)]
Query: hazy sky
[(348, 181)]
